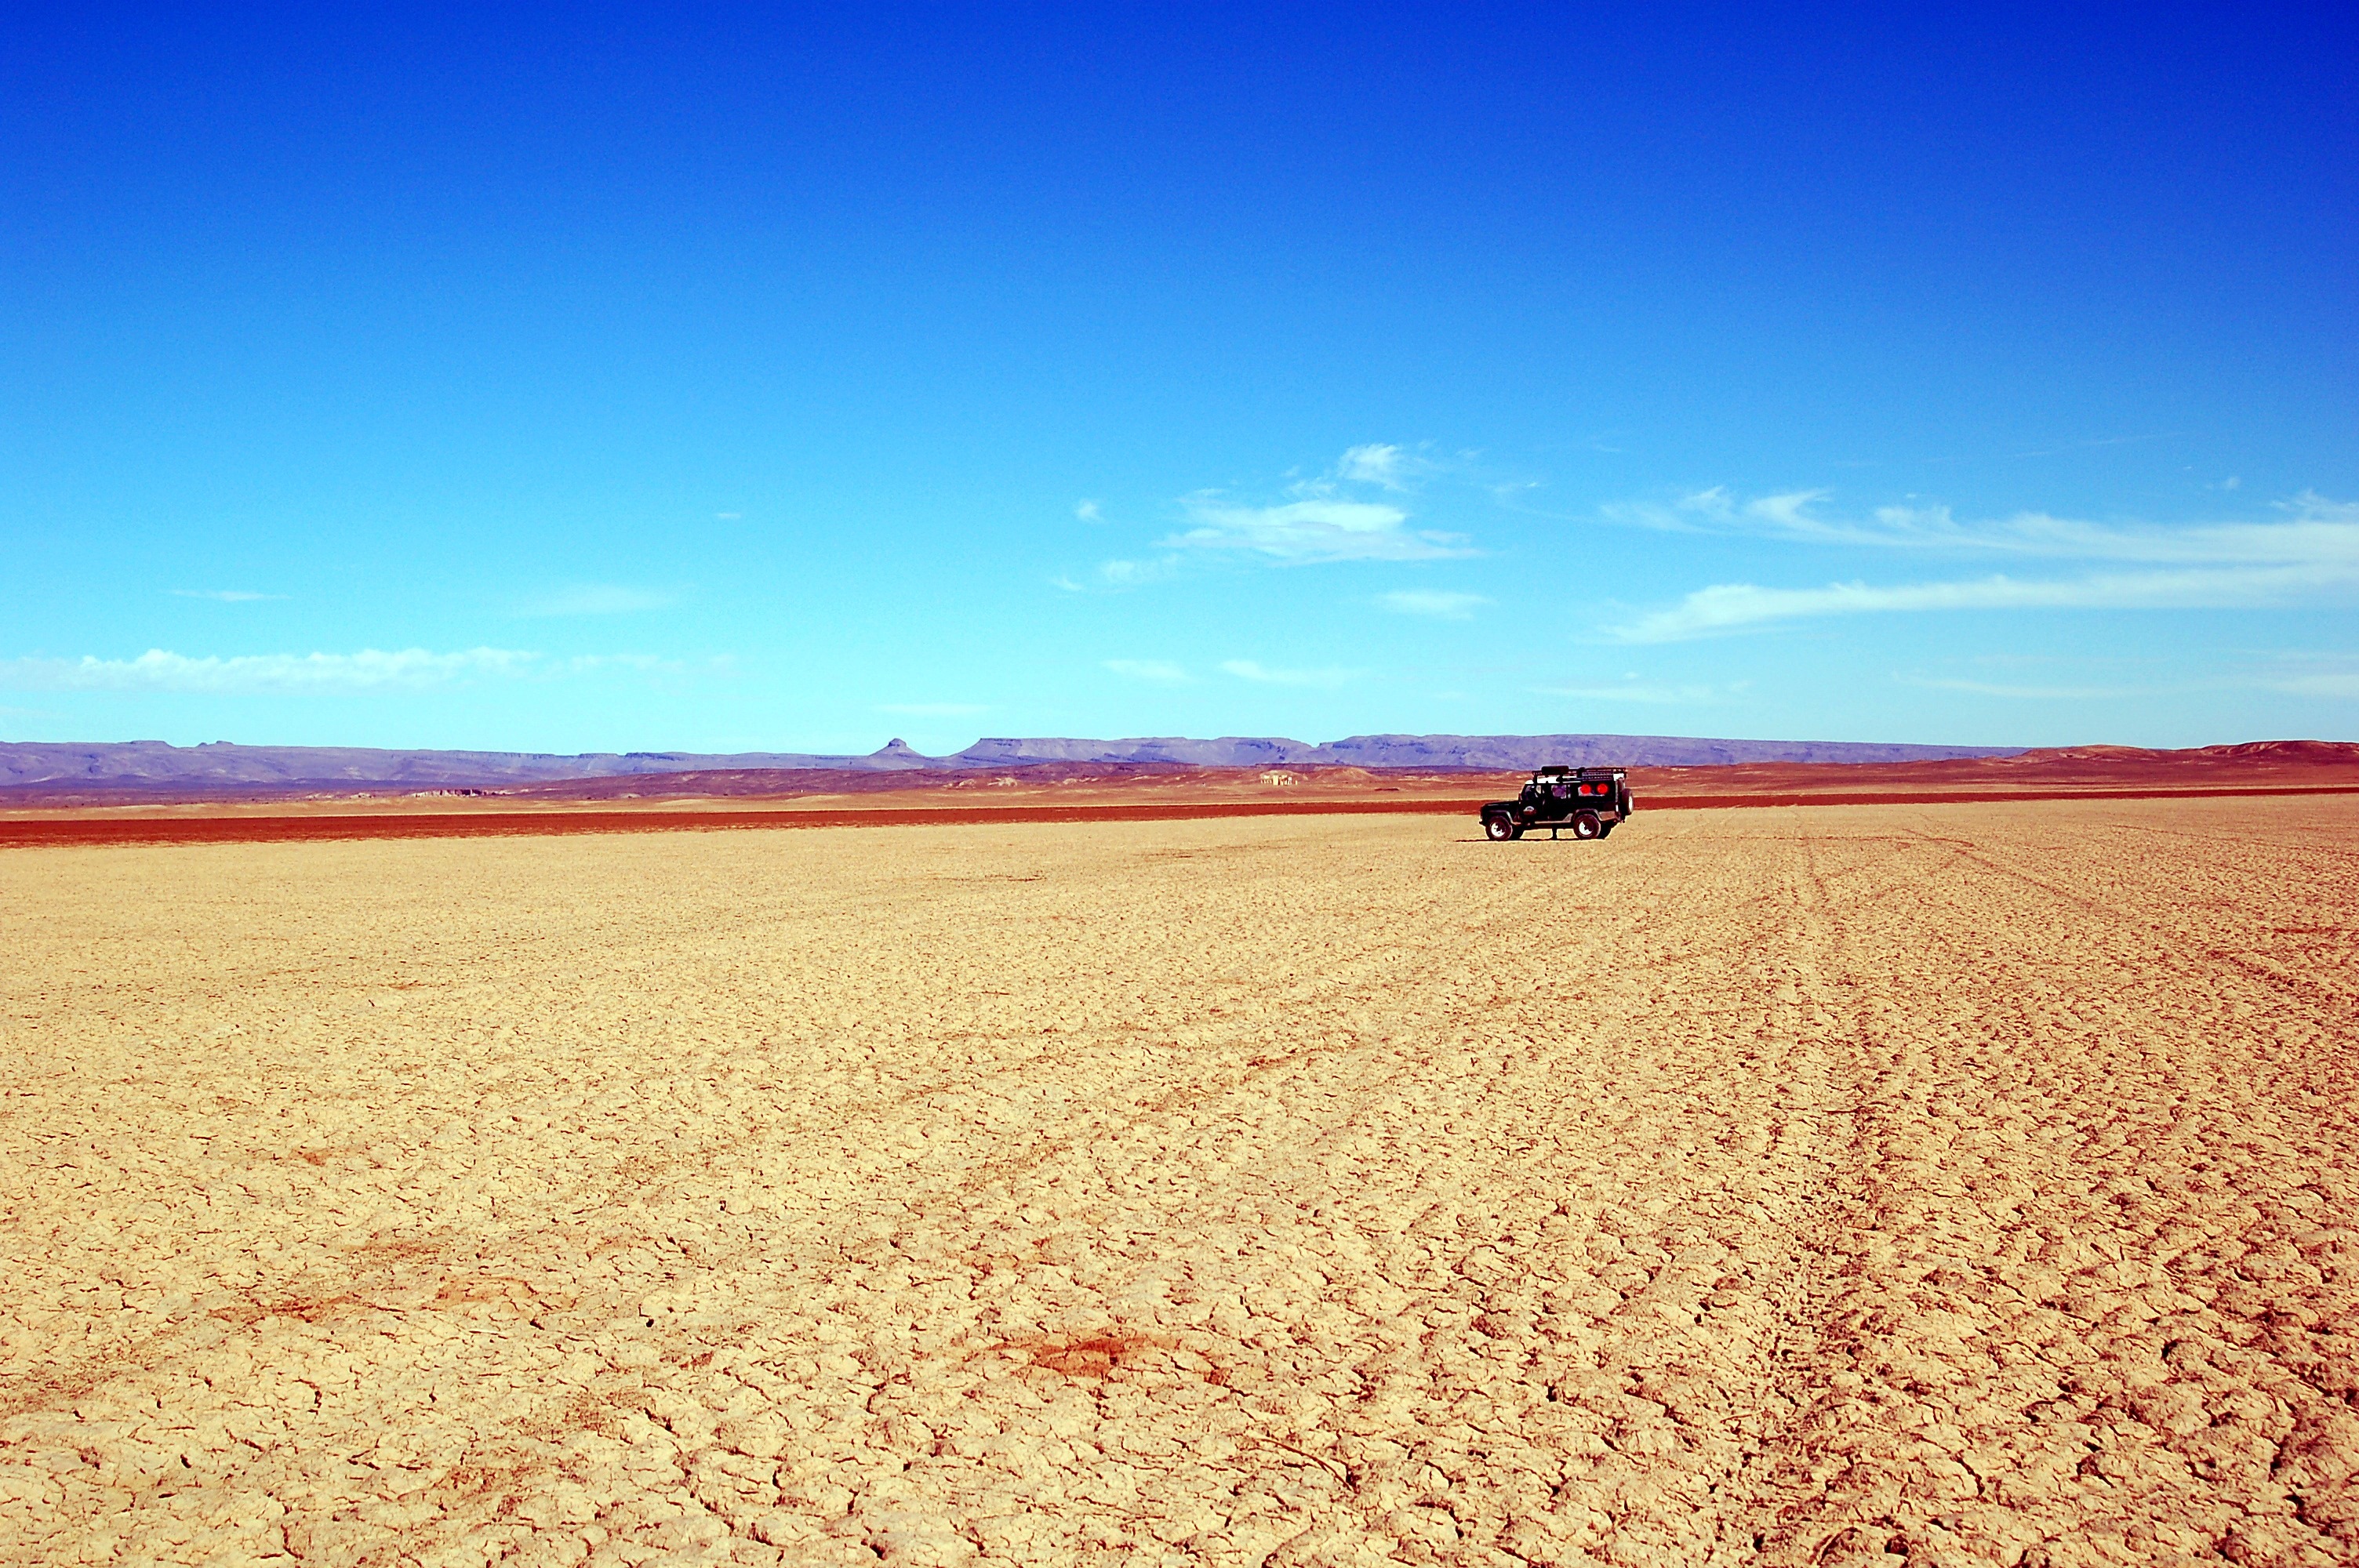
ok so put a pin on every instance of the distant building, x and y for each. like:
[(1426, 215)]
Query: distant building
[(1280, 778)]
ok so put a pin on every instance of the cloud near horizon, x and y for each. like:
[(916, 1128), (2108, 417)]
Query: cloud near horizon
[(371, 670)]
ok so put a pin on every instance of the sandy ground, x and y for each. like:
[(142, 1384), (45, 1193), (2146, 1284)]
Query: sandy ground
[(1966, 1183)]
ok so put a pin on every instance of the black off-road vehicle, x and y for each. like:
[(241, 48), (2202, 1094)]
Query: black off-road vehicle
[(1588, 803)]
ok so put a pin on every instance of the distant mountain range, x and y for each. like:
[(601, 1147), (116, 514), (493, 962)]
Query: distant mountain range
[(152, 766)]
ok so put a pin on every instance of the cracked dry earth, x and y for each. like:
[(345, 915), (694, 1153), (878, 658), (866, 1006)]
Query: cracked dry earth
[(1954, 1185)]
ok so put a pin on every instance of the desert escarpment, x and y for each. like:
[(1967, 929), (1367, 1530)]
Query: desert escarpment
[(34, 772)]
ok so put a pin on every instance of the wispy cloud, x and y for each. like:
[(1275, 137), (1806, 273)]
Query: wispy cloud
[(933, 709), (1439, 605), (2311, 528), (224, 595), (1305, 532), (2312, 556), (1347, 512), (2330, 675), (1163, 672), (1734, 607), (1383, 464), (371, 670), (1246, 669), (594, 599)]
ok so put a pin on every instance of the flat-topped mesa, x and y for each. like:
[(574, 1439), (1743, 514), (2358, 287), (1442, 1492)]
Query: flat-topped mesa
[(1226, 751), (1480, 752), (147, 768)]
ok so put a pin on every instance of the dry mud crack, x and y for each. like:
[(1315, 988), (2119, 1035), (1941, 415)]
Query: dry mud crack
[(1841, 1185)]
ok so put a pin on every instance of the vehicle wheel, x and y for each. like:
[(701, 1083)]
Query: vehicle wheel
[(1586, 826), (1498, 829)]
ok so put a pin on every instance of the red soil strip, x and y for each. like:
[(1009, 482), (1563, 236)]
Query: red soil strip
[(66, 831)]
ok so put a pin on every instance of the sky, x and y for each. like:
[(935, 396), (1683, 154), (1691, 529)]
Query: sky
[(692, 378)]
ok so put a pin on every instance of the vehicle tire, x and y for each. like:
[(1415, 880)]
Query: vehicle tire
[(1498, 828), (1586, 826)]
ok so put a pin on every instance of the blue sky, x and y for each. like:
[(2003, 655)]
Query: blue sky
[(596, 379)]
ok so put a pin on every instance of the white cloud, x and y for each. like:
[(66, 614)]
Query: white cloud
[(224, 595), (1381, 463), (1323, 521), (1732, 607), (1246, 669), (594, 599), (728, 516), (1163, 672), (2315, 529), (933, 709), (1428, 601), (2311, 554), (371, 670), (1304, 532), (2332, 676)]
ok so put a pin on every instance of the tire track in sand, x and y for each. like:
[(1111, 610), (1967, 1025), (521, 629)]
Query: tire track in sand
[(2043, 1349), (1223, 1192)]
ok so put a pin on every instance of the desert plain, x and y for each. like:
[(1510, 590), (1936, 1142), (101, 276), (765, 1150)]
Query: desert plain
[(1954, 1184)]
